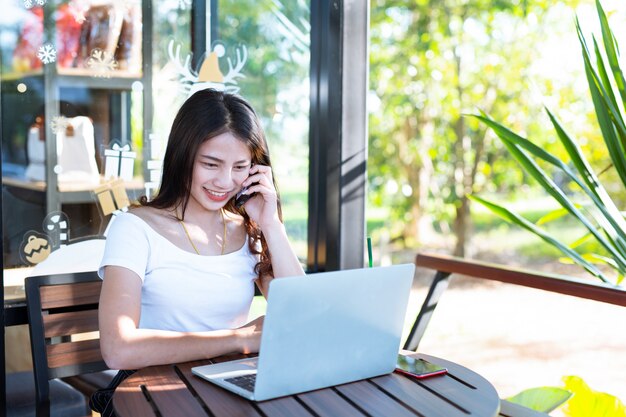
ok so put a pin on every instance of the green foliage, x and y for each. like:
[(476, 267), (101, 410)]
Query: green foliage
[(587, 201), (542, 399), (431, 61), (589, 403), (276, 34), (579, 399)]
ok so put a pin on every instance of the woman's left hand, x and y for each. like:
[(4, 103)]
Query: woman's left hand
[(263, 207)]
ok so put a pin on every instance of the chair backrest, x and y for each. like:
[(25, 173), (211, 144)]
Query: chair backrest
[(60, 307), (438, 286), (445, 266)]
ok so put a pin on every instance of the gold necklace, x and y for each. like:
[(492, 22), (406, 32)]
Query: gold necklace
[(194, 245)]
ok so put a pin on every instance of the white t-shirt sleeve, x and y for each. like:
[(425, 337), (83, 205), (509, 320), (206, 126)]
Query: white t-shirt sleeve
[(127, 245)]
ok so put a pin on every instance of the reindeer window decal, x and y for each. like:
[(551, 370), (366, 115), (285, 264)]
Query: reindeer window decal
[(209, 74)]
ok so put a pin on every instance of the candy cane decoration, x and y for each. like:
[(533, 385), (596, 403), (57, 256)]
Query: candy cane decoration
[(57, 225)]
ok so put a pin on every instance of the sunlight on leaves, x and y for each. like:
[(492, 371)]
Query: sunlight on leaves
[(553, 215), (589, 403), (543, 399)]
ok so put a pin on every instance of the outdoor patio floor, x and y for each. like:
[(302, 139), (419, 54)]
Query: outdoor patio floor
[(520, 338)]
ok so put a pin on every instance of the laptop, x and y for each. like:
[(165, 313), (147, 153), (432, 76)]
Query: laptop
[(322, 330)]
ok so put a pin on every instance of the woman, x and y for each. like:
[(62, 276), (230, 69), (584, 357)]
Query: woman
[(179, 271)]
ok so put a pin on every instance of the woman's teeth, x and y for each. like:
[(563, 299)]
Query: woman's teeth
[(215, 193)]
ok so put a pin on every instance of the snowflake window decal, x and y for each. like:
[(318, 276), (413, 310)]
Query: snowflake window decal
[(30, 3), (59, 124), (102, 63), (78, 12), (47, 53)]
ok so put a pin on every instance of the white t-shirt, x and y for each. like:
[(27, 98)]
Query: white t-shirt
[(181, 291)]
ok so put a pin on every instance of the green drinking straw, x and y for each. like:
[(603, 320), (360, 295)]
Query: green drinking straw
[(369, 251)]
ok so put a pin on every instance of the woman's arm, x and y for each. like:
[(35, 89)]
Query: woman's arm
[(263, 209), (125, 346), (285, 263)]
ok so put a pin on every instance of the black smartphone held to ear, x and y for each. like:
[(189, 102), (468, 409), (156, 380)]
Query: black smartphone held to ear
[(418, 368), (241, 198)]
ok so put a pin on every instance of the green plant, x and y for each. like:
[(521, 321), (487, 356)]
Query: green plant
[(586, 402), (591, 205), (542, 399), (579, 399)]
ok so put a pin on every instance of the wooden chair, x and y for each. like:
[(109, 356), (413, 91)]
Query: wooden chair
[(437, 287), (66, 401), (447, 265), (60, 308)]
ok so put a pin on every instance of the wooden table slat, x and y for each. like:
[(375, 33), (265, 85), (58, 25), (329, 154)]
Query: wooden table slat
[(221, 402), (286, 406), (468, 376), (416, 396), (176, 392), (482, 399), (283, 407), (327, 403), (169, 394), (130, 401), (372, 400)]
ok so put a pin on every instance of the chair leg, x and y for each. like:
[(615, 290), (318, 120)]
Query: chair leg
[(437, 287)]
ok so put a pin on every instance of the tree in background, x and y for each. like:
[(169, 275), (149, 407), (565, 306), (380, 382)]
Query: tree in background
[(277, 35), (432, 61)]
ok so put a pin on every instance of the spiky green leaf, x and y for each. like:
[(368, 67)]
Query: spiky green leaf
[(612, 51), (515, 218), (511, 142)]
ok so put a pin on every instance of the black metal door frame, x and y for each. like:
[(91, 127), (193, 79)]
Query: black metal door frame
[(338, 134)]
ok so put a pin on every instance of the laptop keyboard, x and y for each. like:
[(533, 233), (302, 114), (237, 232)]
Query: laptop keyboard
[(245, 381)]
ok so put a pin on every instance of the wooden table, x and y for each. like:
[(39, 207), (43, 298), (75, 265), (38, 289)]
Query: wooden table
[(172, 390)]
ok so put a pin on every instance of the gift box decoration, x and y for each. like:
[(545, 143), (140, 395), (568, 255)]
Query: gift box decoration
[(119, 162), (112, 196)]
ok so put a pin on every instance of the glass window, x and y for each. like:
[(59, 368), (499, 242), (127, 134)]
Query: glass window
[(89, 92), (72, 84), (276, 36)]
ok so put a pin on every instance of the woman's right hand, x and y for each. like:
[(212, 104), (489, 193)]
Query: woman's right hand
[(250, 335)]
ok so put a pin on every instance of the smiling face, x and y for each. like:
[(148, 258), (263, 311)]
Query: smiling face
[(221, 165)]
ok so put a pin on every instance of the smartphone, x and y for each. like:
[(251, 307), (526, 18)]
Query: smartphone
[(418, 368), (241, 198)]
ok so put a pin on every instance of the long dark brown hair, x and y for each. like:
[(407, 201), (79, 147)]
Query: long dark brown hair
[(205, 115)]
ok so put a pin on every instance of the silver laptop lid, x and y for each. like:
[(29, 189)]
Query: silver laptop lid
[(331, 328)]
